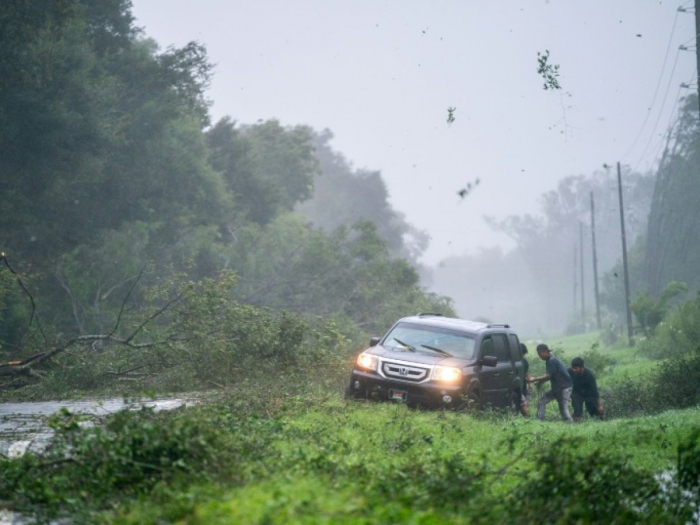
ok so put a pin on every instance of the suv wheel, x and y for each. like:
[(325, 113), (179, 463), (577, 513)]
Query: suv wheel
[(471, 400)]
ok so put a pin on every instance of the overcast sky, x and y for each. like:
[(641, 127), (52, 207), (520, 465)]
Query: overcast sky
[(382, 74)]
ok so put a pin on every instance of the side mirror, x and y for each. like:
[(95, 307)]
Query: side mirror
[(489, 360), (374, 341)]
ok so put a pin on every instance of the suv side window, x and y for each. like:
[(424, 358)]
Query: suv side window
[(487, 347), (500, 347), (515, 348)]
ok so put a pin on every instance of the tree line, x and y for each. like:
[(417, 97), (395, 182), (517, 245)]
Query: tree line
[(114, 181)]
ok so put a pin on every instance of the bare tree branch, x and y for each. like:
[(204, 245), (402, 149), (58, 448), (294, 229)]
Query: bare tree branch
[(34, 314), (73, 301), (121, 283), (155, 314), (126, 299)]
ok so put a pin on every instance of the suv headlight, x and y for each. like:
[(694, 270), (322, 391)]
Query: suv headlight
[(446, 374), (367, 361)]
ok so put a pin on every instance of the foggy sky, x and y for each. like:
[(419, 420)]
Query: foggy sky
[(381, 75)]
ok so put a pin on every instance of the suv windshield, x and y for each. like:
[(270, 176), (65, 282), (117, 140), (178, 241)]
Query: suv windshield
[(419, 338)]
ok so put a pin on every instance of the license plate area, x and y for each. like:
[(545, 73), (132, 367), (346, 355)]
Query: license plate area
[(398, 395)]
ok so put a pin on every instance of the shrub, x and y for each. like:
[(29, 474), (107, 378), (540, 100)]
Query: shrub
[(678, 334), (570, 487), (676, 383), (627, 397), (596, 360), (650, 312)]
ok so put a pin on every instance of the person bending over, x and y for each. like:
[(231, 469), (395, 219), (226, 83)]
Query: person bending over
[(585, 391), (560, 381)]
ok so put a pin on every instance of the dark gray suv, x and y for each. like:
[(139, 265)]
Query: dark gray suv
[(433, 360)]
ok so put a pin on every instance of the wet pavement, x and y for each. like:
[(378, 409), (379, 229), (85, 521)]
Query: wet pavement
[(23, 425)]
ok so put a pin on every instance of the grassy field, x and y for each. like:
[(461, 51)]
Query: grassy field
[(360, 462), (624, 361), (271, 455)]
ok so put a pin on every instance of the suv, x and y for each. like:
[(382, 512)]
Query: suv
[(433, 360)]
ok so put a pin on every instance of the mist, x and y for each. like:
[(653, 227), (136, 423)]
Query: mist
[(377, 83), (226, 204)]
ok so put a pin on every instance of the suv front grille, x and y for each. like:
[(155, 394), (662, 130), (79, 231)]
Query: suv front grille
[(405, 372)]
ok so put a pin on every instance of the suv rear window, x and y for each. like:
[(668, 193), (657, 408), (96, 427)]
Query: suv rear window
[(515, 351), (500, 348), (453, 342)]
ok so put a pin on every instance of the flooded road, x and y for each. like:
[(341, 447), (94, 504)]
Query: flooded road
[(23, 425)]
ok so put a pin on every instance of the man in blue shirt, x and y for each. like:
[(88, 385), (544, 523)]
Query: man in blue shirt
[(560, 381)]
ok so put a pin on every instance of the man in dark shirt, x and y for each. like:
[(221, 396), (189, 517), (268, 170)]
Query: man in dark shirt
[(585, 391), (560, 381)]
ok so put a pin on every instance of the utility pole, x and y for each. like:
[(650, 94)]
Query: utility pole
[(595, 265), (583, 294), (624, 259)]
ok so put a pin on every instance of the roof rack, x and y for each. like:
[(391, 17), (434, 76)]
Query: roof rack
[(496, 325), (426, 314)]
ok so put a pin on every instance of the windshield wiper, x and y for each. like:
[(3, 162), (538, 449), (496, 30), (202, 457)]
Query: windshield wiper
[(411, 348), (439, 350)]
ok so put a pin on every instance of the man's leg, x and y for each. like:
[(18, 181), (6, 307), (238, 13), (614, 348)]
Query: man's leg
[(563, 400), (523, 406), (577, 402), (542, 406)]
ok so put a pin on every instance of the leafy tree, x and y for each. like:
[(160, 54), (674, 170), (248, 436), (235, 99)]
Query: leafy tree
[(267, 168), (101, 132), (344, 195), (649, 312), (283, 157), (546, 244), (673, 237), (348, 273), (612, 294)]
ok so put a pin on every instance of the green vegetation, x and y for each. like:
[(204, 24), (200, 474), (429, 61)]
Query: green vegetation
[(650, 312), (252, 458), (123, 203), (146, 250), (284, 448), (673, 240)]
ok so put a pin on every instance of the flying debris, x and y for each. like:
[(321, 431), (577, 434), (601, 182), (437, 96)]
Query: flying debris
[(468, 188), (451, 115), (549, 72)]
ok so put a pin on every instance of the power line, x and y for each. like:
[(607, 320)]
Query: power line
[(661, 109), (658, 84), (667, 132), (669, 126), (695, 36)]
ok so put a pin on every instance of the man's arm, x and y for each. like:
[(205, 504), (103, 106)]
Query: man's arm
[(545, 377)]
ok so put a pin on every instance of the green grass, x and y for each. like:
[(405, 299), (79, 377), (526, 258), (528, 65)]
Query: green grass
[(626, 361), (337, 462), (308, 456)]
